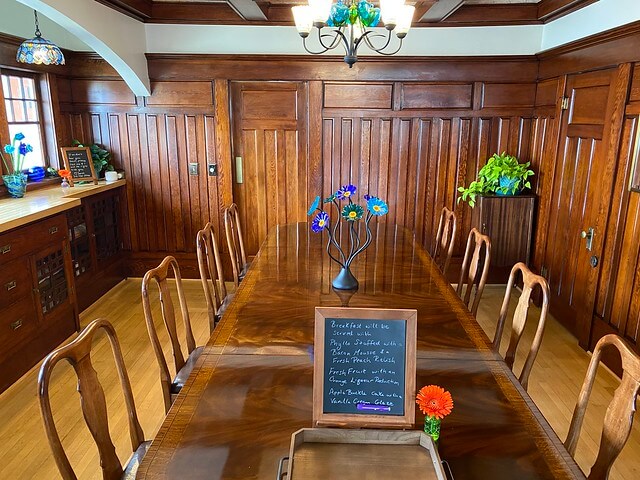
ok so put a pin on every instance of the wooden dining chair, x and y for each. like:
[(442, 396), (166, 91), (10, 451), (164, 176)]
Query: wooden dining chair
[(618, 418), (211, 275), (93, 404), (445, 239), (170, 387), (519, 320), (474, 258), (235, 243)]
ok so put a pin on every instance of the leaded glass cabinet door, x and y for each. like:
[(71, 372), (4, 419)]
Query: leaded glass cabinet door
[(52, 276), (106, 229), (80, 242)]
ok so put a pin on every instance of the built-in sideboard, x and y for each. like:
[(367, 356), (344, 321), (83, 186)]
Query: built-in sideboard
[(57, 256)]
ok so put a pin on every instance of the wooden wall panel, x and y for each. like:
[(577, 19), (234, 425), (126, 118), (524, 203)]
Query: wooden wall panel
[(358, 95), (416, 163), (421, 96)]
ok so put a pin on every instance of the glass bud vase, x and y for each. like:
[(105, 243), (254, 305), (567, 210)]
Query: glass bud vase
[(65, 186), (432, 427)]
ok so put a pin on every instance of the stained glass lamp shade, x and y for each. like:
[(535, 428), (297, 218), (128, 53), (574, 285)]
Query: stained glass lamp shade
[(39, 50)]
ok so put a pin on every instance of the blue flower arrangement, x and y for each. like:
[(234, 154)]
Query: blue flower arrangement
[(350, 212), (15, 180)]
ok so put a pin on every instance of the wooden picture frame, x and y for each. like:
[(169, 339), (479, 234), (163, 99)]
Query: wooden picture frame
[(68, 154), (634, 176), (323, 418)]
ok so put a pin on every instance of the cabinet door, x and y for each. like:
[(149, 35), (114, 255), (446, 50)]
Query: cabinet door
[(82, 257), (104, 211), (53, 278)]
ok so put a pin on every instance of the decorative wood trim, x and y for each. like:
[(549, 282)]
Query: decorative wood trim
[(605, 49), (549, 10), (138, 9)]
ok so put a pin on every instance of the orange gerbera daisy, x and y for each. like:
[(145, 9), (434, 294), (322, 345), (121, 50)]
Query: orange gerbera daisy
[(434, 401)]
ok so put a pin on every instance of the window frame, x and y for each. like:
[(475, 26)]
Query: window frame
[(36, 77)]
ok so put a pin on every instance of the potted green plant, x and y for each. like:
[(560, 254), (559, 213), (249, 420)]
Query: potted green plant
[(501, 175), (100, 158)]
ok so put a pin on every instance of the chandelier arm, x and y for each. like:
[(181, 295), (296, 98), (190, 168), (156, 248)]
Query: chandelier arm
[(304, 44), (391, 53), (338, 35), (379, 50), (336, 39)]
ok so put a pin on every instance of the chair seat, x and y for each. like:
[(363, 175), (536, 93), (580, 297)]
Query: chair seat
[(185, 371), (134, 462), (223, 306)]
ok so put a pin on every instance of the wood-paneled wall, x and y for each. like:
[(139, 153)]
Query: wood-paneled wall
[(410, 130), (411, 142)]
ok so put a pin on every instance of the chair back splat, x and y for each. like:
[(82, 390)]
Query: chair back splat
[(211, 274), (618, 418), (235, 242), (530, 281), (473, 259), (445, 239), (160, 275), (93, 403)]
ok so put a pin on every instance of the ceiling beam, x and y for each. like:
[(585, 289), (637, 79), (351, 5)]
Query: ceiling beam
[(247, 9), (441, 10)]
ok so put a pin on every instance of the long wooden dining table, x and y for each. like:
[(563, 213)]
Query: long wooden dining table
[(252, 386)]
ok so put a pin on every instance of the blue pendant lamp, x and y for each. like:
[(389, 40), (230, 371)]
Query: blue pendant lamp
[(39, 50)]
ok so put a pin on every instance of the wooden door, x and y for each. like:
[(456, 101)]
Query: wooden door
[(583, 183), (270, 149)]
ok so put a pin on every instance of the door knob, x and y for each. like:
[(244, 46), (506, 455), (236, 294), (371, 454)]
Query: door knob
[(588, 235)]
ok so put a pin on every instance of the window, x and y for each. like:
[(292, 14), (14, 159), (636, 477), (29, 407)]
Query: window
[(24, 114)]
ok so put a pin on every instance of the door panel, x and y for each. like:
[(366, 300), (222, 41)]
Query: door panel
[(581, 193), (269, 133)]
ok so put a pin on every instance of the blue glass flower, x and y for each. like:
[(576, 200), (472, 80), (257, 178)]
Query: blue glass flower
[(339, 13), (25, 148), (374, 17), (320, 222), (19, 136), (9, 149), (345, 192), (377, 207), (352, 212), (314, 206), (363, 10), (367, 197)]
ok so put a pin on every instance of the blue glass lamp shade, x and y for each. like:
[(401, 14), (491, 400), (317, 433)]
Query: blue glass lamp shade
[(40, 51)]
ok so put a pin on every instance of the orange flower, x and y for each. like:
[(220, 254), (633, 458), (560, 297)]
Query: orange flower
[(434, 401), (64, 173)]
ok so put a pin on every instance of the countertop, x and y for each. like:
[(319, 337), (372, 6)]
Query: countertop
[(44, 202)]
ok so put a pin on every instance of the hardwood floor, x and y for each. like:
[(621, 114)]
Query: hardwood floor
[(24, 453)]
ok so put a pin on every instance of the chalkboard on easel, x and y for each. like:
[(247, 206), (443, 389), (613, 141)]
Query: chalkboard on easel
[(364, 367), (79, 162)]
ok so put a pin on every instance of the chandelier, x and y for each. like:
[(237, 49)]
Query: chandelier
[(352, 22), (39, 50)]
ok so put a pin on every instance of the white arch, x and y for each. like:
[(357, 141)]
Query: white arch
[(117, 38)]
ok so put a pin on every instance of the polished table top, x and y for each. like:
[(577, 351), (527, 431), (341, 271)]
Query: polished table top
[(252, 387)]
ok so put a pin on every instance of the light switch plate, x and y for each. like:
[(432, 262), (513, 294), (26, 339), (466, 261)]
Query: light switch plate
[(193, 169), (213, 169)]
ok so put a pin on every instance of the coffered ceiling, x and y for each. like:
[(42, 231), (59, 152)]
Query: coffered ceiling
[(278, 12)]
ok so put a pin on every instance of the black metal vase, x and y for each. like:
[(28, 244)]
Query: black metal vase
[(345, 280)]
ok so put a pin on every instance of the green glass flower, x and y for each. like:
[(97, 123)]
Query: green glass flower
[(352, 212)]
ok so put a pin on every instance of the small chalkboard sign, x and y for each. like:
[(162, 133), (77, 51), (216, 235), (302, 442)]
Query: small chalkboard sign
[(79, 162), (364, 367)]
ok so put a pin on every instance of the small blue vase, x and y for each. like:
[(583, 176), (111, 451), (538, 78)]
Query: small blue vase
[(35, 174), (509, 184), (16, 184)]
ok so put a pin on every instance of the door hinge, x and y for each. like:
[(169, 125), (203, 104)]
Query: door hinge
[(565, 103)]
